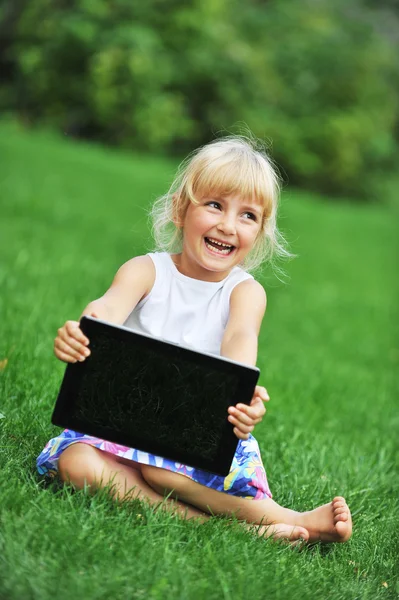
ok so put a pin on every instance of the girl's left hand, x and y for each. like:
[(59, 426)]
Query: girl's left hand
[(244, 418)]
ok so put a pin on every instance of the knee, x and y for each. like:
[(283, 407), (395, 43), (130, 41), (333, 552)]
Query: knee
[(75, 465)]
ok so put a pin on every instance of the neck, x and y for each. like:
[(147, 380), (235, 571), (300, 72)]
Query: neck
[(189, 268)]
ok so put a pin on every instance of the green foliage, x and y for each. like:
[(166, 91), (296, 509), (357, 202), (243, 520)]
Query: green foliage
[(333, 104), (317, 78)]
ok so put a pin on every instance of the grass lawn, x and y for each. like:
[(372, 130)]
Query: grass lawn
[(70, 215)]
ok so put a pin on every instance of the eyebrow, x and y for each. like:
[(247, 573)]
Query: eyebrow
[(250, 207), (253, 209)]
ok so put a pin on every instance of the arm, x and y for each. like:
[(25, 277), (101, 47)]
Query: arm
[(132, 282), (240, 342), (247, 308)]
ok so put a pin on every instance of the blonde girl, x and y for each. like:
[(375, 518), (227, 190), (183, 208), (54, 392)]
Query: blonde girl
[(217, 221)]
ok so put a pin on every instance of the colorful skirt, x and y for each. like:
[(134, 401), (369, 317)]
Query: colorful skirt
[(247, 476)]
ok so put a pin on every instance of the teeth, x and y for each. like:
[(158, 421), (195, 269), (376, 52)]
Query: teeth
[(224, 248), (220, 243)]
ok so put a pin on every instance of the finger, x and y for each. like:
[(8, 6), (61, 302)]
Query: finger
[(240, 416), (73, 330), (255, 411), (240, 435), (60, 345), (262, 393), (239, 422), (72, 342), (257, 408), (243, 428), (76, 347), (257, 401), (64, 357)]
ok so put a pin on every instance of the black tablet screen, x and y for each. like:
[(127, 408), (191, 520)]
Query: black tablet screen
[(167, 402)]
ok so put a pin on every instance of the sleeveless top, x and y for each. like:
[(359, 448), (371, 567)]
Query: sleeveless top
[(183, 310)]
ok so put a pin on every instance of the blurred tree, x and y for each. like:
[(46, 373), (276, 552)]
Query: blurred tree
[(333, 103), (318, 78)]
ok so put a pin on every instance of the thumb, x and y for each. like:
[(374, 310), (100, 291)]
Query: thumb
[(262, 393), (95, 315), (256, 400)]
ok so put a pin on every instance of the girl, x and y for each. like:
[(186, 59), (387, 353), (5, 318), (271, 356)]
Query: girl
[(217, 220)]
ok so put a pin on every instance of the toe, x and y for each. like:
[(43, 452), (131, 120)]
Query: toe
[(295, 535), (339, 499), (282, 531), (301, 534), (344, 530), (341, 517)]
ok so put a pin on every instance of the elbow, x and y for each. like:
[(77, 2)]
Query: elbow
[(241, 346), (97, 309), (243, 338)]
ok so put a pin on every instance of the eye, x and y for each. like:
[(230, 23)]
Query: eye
[(214, 204), (250, 215)]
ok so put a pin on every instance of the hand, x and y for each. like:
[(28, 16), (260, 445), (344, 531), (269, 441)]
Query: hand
[(244, 418), (70, 345)]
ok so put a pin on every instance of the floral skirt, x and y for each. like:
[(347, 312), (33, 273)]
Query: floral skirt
[(247, 476)]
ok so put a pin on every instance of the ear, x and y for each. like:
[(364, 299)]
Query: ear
[(176, 211)]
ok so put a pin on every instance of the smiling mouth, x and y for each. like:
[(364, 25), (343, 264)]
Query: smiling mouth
[(218, 247)]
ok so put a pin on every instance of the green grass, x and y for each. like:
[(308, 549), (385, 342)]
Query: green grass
[(70, 214)]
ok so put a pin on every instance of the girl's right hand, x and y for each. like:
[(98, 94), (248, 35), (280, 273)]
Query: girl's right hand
[(70, 345)]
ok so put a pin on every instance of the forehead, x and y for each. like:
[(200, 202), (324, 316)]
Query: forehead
[(233, 177)]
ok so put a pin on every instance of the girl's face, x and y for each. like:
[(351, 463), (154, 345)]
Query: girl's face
[(218, 233)]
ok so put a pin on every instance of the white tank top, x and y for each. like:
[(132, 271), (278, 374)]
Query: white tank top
[(183, 310)]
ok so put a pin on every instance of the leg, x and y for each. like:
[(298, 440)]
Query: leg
[(252, 512), (329, 523), (81, 464)]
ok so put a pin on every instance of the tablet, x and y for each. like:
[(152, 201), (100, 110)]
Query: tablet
[(152, 395)]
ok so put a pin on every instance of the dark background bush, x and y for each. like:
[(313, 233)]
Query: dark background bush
[(318, 78)]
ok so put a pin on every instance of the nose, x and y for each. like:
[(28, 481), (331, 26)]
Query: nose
[(227, 224)]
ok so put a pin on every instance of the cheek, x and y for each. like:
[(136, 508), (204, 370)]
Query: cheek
[(250, 237), (203, 222), (196, 226)]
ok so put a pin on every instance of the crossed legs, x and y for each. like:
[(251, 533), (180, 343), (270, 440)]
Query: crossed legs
[(82, 464)]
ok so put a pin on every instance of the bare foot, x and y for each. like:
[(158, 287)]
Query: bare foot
[(281, 531), (331, 522)]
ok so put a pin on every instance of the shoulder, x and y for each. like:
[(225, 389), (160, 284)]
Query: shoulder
[(138, 269), (249, 293), (144, 264)]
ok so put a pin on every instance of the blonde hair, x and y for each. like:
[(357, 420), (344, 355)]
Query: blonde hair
[(226, 166)]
